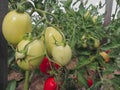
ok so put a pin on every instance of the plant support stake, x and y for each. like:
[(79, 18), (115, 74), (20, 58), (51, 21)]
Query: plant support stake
[(108, 10)]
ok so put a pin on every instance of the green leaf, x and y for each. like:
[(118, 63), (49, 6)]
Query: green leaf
[(116, 83), (118, 2), (11, 85), (82, 79)]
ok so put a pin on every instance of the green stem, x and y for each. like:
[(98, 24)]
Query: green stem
[(46, 13), (26, 83), (73, 38)]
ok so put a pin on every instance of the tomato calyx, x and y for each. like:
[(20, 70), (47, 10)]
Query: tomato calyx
[(20, 9)]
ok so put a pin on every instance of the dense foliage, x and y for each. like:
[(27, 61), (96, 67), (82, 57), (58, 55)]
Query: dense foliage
[(95, 63)]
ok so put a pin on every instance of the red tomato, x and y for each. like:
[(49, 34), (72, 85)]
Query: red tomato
[(51, 84), (90, 82), (45, 66)]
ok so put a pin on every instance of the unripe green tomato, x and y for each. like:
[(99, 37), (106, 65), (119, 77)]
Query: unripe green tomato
[(87, 14), (96, 43), (52, 35), (84, 44), (29, 54), (15, 25), (62, 54), (94, 19)]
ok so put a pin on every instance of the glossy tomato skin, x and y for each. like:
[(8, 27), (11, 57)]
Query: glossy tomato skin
[(51, 84), (45, 66), (52, 35), (62, 54), (15, 25), (90, 82), (29, 54)]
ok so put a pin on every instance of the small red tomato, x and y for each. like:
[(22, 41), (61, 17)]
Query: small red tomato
[(45, 66), (90, 82), (51, 84)]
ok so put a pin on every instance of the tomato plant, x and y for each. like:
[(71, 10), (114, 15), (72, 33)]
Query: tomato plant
[(74, 38)]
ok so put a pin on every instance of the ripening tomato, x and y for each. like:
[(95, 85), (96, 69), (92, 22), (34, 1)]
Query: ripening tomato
[(29, 54), (52, 35), (62, 54), (51, 84), (105, 56), (46, 65), (15, 25)]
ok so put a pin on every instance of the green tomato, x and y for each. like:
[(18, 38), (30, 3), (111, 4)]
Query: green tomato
[(29, 54), (15, 25), (87, 14), (94, 19), (96, 43), (52, 36), (62, 54)]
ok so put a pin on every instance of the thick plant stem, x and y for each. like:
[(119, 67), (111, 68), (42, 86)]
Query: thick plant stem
[(26, 83)]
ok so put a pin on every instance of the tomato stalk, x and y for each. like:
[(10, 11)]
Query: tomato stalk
[(73, 38), (26, 83), (44, 12), (42, 19), (20, 9), (27, 1)]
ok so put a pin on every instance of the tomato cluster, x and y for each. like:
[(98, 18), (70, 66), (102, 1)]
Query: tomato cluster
[(29, 52), (33, 52)]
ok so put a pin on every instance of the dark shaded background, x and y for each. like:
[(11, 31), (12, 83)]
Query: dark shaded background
[(3, 47)]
